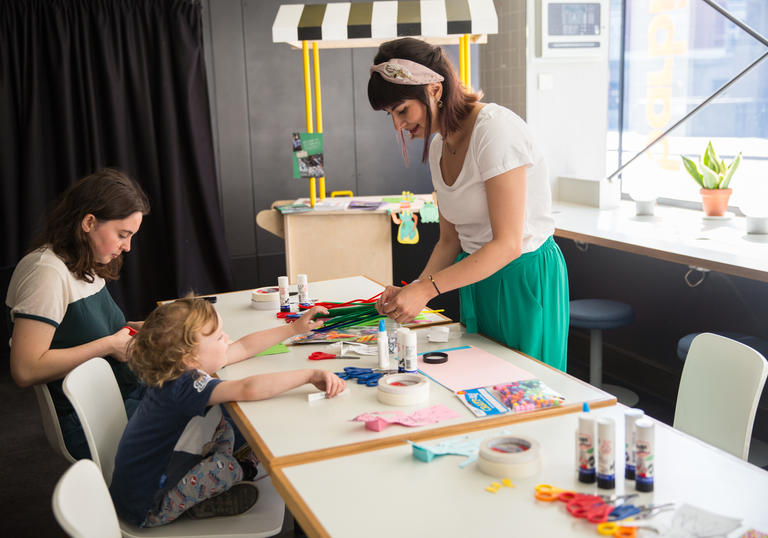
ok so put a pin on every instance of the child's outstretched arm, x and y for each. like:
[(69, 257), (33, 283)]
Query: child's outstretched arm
[(253, 343), (263, 386)]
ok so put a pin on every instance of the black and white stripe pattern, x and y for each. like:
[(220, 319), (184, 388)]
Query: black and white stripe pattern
[(340, 21)]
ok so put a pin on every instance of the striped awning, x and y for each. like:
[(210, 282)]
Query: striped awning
[(363, 24)]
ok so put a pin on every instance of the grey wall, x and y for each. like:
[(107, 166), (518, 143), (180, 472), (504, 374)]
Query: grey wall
[(257, 96)]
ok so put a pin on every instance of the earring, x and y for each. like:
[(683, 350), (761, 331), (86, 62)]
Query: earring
[(440, 103)]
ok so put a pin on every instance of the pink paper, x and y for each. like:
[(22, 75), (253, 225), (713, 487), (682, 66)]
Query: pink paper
[(470, 368), (377, 421)]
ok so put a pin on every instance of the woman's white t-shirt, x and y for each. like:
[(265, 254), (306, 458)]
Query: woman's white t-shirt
[(500, 142)]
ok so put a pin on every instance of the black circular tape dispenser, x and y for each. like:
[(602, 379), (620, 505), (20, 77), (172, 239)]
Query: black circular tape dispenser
[(435, 357)]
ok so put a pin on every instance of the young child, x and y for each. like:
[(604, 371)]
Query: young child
[(175, 455)]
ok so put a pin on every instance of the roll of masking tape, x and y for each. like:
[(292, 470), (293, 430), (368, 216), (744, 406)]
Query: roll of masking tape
[(510, 456), (267, 298), (403, 389)]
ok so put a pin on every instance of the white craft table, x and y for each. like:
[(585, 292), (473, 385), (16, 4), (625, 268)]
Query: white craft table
[(288, 429), (387, 492)]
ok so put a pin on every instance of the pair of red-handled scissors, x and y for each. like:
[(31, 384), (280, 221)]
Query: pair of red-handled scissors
[(589, 507), (320, 356), (131, 330)]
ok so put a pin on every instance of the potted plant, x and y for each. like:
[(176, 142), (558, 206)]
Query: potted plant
[(713, 176)]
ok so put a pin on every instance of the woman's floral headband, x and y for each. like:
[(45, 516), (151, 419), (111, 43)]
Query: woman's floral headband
[(398, 71)]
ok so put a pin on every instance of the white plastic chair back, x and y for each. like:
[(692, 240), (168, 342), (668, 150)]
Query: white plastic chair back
[(51, 425), (82, 505), (93, 391), (719, 390)]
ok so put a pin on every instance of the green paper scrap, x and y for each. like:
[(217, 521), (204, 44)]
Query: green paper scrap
[(274, 350), (392, 199)]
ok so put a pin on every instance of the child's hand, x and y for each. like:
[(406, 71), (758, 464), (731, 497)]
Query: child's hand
[(305, 323), (327, 381)]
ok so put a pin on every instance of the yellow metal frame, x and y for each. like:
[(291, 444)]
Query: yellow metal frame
[(465, 74)]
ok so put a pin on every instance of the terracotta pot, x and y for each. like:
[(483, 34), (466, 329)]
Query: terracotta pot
[(715, 201)]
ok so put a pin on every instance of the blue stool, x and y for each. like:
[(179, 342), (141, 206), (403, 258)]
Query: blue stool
[(597, 315), (758, 344)]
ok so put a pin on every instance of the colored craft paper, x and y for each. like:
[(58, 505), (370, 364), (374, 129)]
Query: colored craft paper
[(469, 367), (377, 421), (274, 350)]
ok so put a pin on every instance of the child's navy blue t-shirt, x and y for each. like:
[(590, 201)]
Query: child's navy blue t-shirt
[(164, 439)]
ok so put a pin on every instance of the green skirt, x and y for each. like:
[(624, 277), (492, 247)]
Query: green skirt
[(523, 305)]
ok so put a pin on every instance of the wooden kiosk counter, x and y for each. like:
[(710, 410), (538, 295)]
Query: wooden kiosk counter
[(328, 244)]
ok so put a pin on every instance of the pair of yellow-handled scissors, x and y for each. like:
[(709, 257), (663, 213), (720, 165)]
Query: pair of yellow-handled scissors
[(547, 493), (621, 529)]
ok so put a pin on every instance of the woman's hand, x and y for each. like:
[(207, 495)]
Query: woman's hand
[(386, 296), (306, 322), (404, 304), (120, 341), (327, 381)]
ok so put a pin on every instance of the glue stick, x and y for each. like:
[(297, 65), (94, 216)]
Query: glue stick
[(644, 452), (631, 416), (585, 447), (285, 296), (303, 286), (401, 335), (606, 453), (382, 344), (411, 358)]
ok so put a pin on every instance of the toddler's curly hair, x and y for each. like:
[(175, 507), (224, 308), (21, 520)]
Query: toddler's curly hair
[(169, 335)]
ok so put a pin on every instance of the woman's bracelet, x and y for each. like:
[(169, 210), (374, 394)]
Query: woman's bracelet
[(433, 283)]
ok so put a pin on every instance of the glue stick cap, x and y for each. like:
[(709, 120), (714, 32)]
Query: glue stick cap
[(585, 407), (381, 326)]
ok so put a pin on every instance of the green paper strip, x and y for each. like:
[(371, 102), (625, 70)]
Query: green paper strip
[(274, 350)]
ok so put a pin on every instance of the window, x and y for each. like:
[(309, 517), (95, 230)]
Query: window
[(676, 54)]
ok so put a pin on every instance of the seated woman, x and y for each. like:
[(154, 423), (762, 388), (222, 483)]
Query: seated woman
[(61, 311)]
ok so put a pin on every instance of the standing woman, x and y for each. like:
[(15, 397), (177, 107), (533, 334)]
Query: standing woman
[(493, 193), (61, 311)]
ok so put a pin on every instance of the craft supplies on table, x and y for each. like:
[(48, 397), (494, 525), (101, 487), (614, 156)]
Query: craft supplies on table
[(528, 395), (469, 367), (365, 376), (481, 402), (631, 416), (322, 395), (585, 447), (606, 453), (403, 389), (303, 287), (512, 456), (266, 298), (284, 295), (645, 454), (378, 420)]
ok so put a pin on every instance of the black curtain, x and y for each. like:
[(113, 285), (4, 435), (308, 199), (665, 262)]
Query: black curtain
[(121, 83)]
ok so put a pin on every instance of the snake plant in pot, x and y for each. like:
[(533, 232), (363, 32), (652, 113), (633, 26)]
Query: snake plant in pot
[(714, 177)]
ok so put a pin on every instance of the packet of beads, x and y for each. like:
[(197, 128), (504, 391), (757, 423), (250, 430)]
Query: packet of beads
[(527, 395)]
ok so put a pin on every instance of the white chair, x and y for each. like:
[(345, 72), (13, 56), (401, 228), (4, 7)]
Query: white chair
[(93, 391), (719, 391), (82, 505), (51, 425)]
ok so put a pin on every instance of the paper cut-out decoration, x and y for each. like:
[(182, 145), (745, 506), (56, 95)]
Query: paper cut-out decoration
[(429, 213), (379, 420), (406, 219)]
